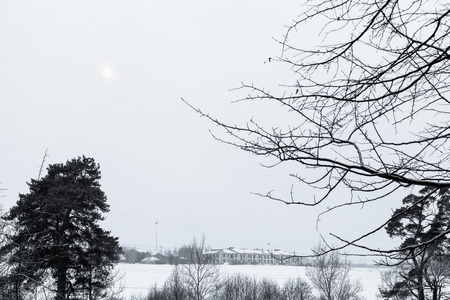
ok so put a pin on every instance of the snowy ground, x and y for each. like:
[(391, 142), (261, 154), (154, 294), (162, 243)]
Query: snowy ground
[(139, 278)]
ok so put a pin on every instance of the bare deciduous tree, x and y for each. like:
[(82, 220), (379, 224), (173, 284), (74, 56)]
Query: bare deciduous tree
[(330, 275), (200, 276), (369, 100)]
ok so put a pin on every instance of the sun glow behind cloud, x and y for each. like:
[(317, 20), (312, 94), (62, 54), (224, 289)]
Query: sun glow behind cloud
[(108, 71)]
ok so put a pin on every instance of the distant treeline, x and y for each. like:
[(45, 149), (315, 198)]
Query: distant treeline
[(177, 256)]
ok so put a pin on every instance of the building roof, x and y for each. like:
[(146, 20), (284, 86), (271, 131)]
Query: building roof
[(233, 250)]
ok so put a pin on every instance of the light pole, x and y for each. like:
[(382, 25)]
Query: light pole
[(156, 224)]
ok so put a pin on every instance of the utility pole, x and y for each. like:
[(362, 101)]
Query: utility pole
[(156, 224)]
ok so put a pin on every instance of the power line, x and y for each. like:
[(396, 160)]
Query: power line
[(213, 226)]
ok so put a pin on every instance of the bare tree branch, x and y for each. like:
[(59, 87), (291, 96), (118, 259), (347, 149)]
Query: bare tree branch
[(370, 102)]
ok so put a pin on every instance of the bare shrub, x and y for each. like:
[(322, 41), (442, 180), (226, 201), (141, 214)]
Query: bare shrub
[(238, 287), (268, 289), (156, 294), (297, 289), (174, 286)]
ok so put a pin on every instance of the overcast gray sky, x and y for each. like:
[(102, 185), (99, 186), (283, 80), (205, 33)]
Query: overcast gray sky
[(105, 79)]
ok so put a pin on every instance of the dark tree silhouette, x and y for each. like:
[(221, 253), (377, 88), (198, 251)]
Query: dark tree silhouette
[(424, 257), (6, 281), (58, 235), (368, 102)]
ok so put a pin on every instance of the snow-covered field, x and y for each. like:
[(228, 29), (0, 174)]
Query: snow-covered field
[(139, 278)]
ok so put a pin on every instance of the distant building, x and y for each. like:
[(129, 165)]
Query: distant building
[(253, 256), (230, 255), (150, 260)]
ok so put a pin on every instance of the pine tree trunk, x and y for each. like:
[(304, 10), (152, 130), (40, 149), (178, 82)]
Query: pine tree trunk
[(435, 292), (90, 282), (421, 291), (61, 284)]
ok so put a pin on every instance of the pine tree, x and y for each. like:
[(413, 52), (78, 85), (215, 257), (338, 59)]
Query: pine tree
[(58, 232), (423, 225)]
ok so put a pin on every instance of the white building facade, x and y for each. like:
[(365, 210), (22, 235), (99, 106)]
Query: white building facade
[(253, 256)]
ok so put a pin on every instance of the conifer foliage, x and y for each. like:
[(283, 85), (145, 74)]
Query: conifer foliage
[(58, 242), (423, 225)]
